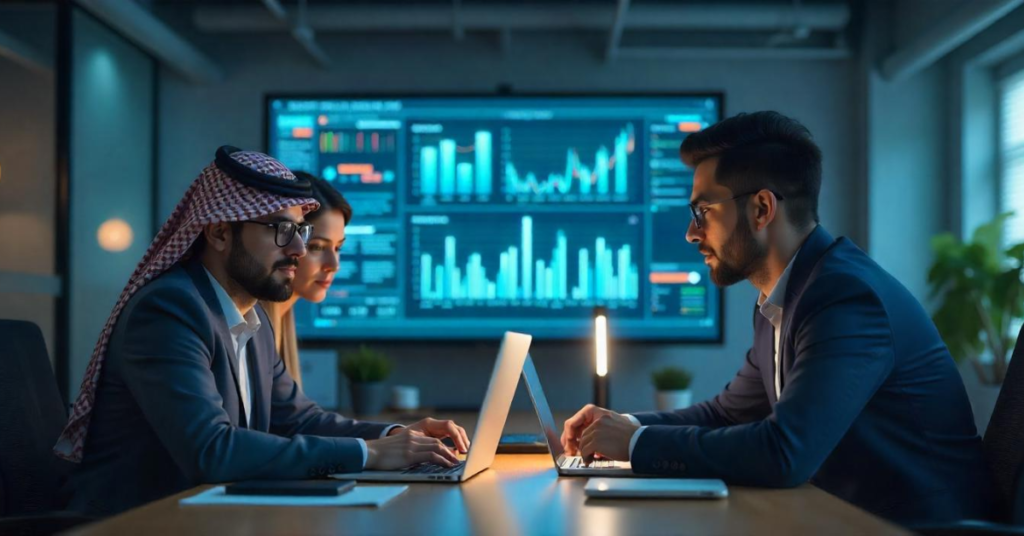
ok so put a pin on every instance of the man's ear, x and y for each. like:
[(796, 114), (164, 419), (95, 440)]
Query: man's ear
[(218, 236), (765, 209)]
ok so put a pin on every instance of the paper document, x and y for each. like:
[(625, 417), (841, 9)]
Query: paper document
[(359, 496)]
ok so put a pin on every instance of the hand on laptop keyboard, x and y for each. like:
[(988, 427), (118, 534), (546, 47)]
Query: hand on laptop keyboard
[(405, 449)]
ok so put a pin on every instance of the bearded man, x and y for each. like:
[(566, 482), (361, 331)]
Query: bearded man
[(847, 385), (184, 388)]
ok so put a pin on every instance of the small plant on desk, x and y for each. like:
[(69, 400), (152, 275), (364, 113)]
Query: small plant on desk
[(672, 388), (366, 370)]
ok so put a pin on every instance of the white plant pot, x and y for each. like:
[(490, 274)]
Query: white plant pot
[(670, 400), (405, 397)]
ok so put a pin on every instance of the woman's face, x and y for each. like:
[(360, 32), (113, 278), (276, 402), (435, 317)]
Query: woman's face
[(317, 268)]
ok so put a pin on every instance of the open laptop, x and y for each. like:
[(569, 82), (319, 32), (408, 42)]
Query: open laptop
[(566, 465), (484, 445)]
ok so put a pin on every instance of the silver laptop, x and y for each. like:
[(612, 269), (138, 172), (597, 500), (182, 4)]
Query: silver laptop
[(566, 465), (484, 445)]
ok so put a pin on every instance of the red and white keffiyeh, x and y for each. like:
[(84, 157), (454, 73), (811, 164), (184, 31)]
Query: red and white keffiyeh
[(214, 197)]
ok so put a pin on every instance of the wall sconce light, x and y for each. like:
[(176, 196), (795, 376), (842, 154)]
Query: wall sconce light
[(115, 235)]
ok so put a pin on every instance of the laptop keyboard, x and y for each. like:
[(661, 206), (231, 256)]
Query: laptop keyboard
[(433, 469), (576, 462)]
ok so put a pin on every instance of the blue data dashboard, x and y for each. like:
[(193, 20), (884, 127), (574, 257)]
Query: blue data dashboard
[(477, 215)]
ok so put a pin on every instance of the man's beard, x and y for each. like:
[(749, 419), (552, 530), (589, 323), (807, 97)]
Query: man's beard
[(740, 257), (258, 282)]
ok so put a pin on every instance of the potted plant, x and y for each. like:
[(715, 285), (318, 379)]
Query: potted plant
[(366, 370), (981, 297), (672, 388)]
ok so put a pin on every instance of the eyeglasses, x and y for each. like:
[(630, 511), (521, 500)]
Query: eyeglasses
[(698, 211), (286, 231)]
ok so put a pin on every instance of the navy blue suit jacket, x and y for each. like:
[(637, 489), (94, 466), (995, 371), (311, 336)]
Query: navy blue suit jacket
[(169, 414), (872, 407)]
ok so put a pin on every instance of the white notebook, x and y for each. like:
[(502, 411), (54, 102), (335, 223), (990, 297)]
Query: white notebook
[(656, 488)]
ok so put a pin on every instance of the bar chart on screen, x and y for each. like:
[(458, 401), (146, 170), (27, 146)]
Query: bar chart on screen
[(452, 162), (553, 265)]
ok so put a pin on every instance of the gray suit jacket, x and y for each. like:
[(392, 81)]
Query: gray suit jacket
[(169, 415)]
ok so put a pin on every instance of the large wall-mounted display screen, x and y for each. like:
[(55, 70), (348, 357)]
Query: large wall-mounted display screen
[(476, 215)]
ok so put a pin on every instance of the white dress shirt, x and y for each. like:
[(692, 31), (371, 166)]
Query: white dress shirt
[(770, 307), (243, 329)]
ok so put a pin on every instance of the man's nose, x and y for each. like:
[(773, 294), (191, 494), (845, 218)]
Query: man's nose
[(693, 234)]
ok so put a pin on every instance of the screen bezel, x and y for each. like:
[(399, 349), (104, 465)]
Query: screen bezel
[(502, 92)]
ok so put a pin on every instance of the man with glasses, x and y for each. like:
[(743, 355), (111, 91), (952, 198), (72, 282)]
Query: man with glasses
[(847, 385), (185, 385)]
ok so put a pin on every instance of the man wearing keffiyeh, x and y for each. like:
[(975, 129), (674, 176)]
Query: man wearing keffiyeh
[(184, 388)]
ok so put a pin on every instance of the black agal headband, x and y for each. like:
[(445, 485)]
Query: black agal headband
[(294, 187)]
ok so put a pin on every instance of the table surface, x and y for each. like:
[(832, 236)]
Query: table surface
[(520, 494)]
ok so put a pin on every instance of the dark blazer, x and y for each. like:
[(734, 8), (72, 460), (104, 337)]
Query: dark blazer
[(169, 415), (872, 407)]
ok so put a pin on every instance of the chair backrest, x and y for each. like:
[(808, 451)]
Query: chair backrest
[(1004, 438), (31, 418)]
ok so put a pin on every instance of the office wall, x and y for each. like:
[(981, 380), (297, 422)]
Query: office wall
[(111, 175), (907, 174), (27, 171), (194, 120)]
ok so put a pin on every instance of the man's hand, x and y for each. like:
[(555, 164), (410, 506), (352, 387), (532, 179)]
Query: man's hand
[(439, 429), (407, 448), (577, 423), (608, 437)]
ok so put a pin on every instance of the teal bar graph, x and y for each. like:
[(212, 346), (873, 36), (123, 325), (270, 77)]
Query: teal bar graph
[(447, 167), (442, 173), (484, 162), (465, 173), (428, 170), (611, 275)]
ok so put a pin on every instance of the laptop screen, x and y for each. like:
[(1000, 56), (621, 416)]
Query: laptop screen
[(540, 403)]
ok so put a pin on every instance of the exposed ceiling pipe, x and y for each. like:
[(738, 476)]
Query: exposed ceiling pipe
[(615, 34), (798, 33), (733, 53), (25, 55), (156, 38), (300, 30), (940, 39), (363, 18)]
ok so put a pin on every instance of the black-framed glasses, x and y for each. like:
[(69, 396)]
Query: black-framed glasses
[(286, 231), (698, 211)]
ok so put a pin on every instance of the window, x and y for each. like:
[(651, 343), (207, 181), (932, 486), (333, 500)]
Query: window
[(1011, 156)]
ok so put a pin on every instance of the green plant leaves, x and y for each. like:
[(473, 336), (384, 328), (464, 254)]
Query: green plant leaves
[(981, 291), (366, 365), (671, 379)]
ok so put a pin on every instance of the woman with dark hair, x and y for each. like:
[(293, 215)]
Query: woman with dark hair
[(316, 269), (313, 277)]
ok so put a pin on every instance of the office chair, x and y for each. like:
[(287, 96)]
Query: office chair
[(31, 418), (1004, 448)]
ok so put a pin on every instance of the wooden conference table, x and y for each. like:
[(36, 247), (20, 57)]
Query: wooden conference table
[(520, 494)]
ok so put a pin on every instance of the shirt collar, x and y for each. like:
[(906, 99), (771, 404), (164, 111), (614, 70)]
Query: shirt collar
[(237, 324), (771, 305)]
